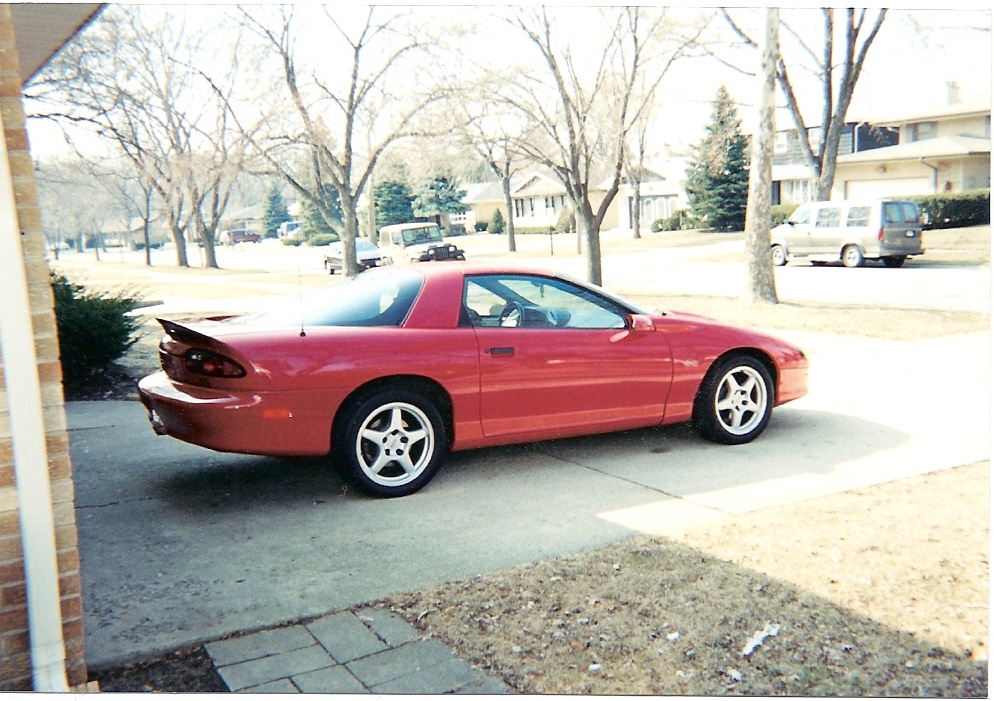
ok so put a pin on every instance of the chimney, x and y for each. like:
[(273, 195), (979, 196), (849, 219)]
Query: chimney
[(952, 92)]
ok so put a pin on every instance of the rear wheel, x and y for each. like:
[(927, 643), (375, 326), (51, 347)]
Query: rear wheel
[(390, 443), (852, 257), (734, 402), (779, 255), (894, 261)]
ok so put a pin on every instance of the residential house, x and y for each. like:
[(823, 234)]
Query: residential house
[(944, 149), (792, 176), (538, 200), (41, 607)]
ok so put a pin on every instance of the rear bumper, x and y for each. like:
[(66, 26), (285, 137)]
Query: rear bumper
[(257, 423)]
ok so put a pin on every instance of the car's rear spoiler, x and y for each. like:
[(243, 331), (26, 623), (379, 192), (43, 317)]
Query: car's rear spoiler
[(183, 333)]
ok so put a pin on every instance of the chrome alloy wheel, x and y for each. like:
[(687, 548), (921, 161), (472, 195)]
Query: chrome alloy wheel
[(741, 400), (395, 444)]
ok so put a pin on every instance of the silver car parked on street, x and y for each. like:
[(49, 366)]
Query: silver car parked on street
[(853, 231)]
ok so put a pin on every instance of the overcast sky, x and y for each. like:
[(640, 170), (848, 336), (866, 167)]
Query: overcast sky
[(914, 57)]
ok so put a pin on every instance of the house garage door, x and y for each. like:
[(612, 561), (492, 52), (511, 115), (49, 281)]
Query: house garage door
[(888, 187)]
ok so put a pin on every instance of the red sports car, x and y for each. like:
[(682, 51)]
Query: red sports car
[(389, 370)]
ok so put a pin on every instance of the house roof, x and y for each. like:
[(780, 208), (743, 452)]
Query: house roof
[(944, 147), (960, 109), (538, 184), (44, 28)]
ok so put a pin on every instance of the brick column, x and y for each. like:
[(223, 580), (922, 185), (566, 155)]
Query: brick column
[(15, 660)]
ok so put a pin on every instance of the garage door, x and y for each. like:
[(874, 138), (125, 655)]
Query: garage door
[(890, 187)]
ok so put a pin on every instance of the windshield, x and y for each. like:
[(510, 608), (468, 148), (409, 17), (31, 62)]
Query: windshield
[(429, 233), (375, 298)]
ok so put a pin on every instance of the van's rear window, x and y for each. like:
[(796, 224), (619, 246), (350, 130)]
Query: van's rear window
[(900, 213)]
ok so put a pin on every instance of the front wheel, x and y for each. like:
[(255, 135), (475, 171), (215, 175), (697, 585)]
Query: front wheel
[(390, 444), (779, 256), (734, 402)]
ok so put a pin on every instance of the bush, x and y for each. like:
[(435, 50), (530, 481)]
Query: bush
[(496, 225), (779, 213), (566, 221), (321, 239), (971, 208), (481, 226), (94, 330), (677, 221), (292, 241)]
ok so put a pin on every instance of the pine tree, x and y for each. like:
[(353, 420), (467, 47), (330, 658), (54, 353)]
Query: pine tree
[(718, 176), (313, 222), (393, 203), (276, 212), (438, 199)]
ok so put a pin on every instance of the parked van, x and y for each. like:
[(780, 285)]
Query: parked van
[(419, 241), (853, 231)]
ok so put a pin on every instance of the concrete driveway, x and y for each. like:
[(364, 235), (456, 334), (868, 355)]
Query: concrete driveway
[(180, 544)]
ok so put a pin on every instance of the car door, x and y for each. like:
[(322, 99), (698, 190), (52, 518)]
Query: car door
[(798, 234), (558, 357), (827, 233)]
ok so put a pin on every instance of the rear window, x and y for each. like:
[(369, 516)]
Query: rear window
[(858, 216), (830, 216), (374, 298), (900, 213)]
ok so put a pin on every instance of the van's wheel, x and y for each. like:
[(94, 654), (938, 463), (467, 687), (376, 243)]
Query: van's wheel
[(734, 402), (779, 255), (390, 443), (894, 261), (852, 257)]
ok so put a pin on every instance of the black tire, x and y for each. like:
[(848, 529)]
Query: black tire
[(735, 400), (779, 255), (852, 256), (894, 261), (389, 443)]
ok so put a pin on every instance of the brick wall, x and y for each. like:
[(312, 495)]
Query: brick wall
[(15, 663)]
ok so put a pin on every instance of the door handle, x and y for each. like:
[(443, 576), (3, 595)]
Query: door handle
[(500, 351)]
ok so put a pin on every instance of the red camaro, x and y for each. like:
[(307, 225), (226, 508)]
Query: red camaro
[(391, 369)]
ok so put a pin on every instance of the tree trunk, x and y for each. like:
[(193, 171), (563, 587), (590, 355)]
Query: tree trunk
[(506, 185), (350, 265), (637, 211), (588, 229), (760, 282), (177, 234)]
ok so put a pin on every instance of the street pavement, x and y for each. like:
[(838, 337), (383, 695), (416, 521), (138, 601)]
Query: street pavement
[(180, 545)]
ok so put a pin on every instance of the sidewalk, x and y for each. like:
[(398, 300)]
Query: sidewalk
[(366, 651)]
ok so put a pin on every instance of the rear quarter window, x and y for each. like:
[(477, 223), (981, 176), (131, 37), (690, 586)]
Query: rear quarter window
[(858, 216), (893, 213)]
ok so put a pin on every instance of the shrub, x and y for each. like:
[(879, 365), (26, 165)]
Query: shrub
[(496, 225), (971, 208), (677, 221), (779, 213), (94, 330), (566, 221), (481, 226), (292, 241), (321, 239)]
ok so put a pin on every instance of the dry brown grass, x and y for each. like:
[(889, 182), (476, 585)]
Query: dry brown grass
[(878, 592)]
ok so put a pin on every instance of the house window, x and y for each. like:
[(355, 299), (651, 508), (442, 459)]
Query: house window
[(780, 144), (920, 131), (524, 207), (814, 138)]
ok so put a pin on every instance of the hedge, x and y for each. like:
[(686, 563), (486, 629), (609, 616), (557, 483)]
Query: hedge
[(971, 208), (779, 213)]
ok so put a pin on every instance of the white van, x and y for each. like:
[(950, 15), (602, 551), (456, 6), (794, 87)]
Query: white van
[(853, 231)]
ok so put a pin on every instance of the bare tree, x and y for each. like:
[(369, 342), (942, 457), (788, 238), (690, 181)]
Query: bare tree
[(585, 103), (760, 282), (327, 117), (124, 77), (77, 206), (838, 75)]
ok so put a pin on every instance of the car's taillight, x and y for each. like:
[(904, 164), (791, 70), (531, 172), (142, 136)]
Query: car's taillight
[(204, 362), (880, 234)]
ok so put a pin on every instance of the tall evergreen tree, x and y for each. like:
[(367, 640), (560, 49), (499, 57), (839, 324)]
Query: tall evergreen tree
[(276, 212), (718, 176), (439, 198), (393, 203), (313, 222)]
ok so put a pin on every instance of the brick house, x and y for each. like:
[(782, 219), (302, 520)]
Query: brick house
[(41, 609)]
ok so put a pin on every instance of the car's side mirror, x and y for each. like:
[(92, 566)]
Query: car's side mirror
[(639, 323)]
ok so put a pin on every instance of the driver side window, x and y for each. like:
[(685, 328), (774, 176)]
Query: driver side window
[(525, 301)]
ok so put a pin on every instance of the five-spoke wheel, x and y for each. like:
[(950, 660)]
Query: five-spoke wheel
[(735, 400), (391, 443)]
